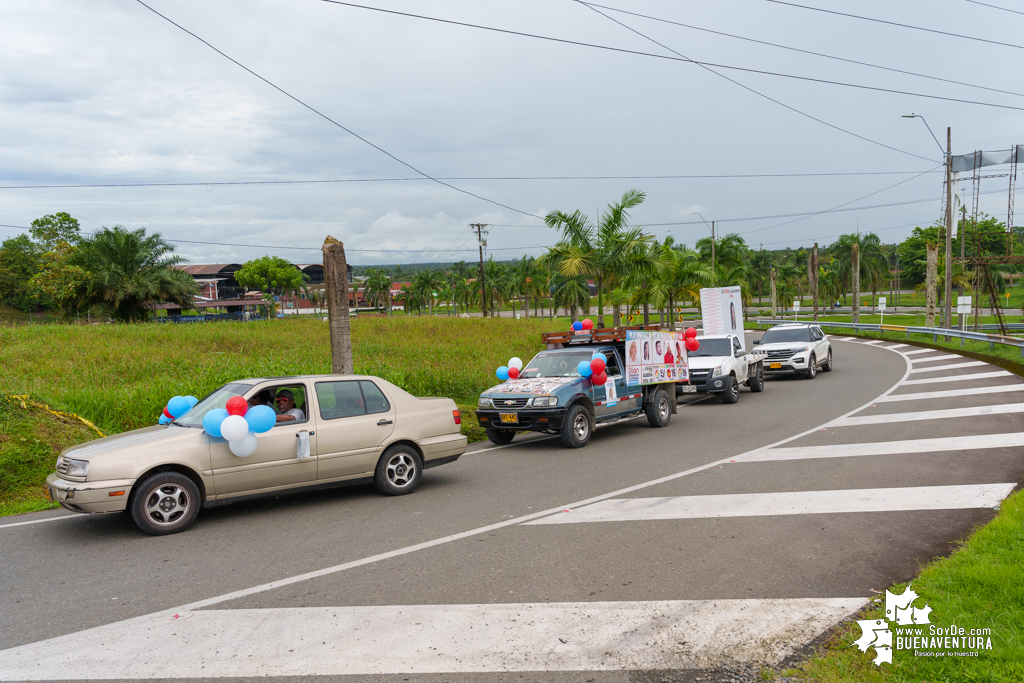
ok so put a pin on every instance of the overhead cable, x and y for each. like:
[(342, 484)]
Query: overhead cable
[(1005, 9)]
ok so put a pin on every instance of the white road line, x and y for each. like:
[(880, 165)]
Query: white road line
[(911, 353), (788, 503), (423, 639), (874, 341), (40, 521), (931, 358), (958, 378), (850, 450), (949, 393), (896, 346), (976, 411), (847, 339), (952, 366)]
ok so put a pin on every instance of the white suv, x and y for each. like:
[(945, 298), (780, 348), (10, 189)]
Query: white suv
[(796, 347)]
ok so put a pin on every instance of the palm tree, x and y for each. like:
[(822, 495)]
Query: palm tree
[(126, 271), (378, 289), (682, 276), (872, 258), (643, 263)]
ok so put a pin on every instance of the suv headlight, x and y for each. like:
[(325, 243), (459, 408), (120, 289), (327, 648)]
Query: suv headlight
[(717, 372), (484, 402), (78, 468), (545, 401)]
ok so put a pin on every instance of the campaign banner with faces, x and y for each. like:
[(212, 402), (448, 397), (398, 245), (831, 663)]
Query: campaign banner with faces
[(653, 357), (721, 310)]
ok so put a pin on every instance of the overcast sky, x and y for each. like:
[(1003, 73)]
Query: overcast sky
[(106, 91)]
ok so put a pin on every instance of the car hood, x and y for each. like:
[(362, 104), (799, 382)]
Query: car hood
[(705, 362), (136, 440), (782, 346), (534, 386)]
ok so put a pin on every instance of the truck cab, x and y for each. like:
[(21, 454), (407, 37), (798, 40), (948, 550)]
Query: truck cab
[(721, 365)]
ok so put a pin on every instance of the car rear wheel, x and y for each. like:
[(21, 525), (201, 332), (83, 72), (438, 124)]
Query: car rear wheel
[(576, 427), (731, 394), (659, 410), (827, 367), (756, 381), (812, 367), (501, 436), (165, 503), (398, 471)]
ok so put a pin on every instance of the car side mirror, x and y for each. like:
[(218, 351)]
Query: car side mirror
[(757, 341)]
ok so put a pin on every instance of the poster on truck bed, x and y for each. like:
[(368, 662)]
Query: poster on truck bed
[(721, 310), (653, 357)]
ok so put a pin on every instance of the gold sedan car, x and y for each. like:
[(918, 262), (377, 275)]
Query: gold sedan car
[(331, 430)]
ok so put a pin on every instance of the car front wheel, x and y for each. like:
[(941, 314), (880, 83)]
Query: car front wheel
[(812, 367), (576, 430), (827, 367), (398, 471), (165, 503)]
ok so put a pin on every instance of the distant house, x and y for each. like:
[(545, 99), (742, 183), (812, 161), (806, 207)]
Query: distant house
[(215, 280)]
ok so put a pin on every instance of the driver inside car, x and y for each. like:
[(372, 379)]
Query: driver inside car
[(287, 412)]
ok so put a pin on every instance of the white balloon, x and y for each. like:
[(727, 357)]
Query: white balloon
[(516, 363), (234, 428), (245, 446)]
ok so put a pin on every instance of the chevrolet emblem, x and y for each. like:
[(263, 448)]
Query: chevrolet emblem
[(510, 403)]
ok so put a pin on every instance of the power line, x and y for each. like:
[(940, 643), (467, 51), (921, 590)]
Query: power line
[(1005, 9), (678, 59), (474, 178), (329, 119), (811, 52), (893, 23), (828, 237)]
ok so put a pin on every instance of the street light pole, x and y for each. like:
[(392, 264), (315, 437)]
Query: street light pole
[(712, 227)]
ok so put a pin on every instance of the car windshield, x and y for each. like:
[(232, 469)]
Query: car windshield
[(712, 347), (218, 399), (556, 363), (793, 334)]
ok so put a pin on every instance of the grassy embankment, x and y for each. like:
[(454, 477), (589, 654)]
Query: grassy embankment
[(120, 376)]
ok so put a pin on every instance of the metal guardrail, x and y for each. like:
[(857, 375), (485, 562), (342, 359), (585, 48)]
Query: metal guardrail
[(935, 332)]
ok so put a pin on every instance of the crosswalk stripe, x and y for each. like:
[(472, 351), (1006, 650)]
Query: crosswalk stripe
[(874, 341), (424, 639), (891, 418), (846, 339), (931, 358), (896, 346), (787, 503), (957, 378), (952, 366), (848, 450), (950, 393), (911, 353)]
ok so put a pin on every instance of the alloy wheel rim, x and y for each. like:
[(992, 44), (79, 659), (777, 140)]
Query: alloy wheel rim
[(663, 409), (167, 504), (581, 426), (401, 469)]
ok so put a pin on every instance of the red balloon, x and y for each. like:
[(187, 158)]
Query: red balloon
[(588, 324), (167, 414), (598, 378), (692, 344), (236, 405), (691, 332), (597, 365), (513, 373)]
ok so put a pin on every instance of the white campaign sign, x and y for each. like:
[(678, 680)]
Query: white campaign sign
[(721, 310), (610, 398)]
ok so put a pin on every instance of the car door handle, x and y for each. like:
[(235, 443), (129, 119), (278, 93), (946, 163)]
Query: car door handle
[(299, 434), (381, 423)]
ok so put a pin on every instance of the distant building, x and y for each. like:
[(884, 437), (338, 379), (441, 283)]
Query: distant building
[(217, 280)]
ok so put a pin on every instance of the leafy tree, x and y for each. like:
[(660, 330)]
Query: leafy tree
[(20, 259), (271, 275), (52, 230), (125, 271)]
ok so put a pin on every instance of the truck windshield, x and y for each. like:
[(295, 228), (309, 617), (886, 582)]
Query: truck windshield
[(712, 347), (793, 334), (556, 363), (194, 417)]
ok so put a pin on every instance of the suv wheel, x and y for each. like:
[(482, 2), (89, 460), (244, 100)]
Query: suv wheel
[(827, 367), (165, 503), (576, 427), (812, 367), (398, 471), (756, 383), (500, 436), (659, 410), (731, 394)]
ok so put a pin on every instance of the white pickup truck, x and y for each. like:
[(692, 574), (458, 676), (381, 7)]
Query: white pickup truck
[(721, 365)]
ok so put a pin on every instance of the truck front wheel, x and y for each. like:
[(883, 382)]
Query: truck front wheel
[(756, 381), (576, 429), (731, 393), (500, 436), (659, 410)]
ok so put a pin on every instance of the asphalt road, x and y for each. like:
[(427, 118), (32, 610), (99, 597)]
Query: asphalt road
[(532, 558)]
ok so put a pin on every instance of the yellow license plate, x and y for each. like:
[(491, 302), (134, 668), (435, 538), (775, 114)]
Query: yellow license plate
[(509, 417), (775, 366)]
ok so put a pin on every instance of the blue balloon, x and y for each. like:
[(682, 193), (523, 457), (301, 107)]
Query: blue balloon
[(260, 419), (502, 373), (577, 326), (584, 368), (213, 419), (192, 401), (164, 420), (178, 406)]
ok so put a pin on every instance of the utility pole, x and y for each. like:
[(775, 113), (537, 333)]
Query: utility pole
[(480, 233), (814, 279), (949, 227), (712, 248)]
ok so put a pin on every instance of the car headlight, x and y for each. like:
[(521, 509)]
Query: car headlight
[(545, 401), (717, 372), (78, 468), (484, 402)]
